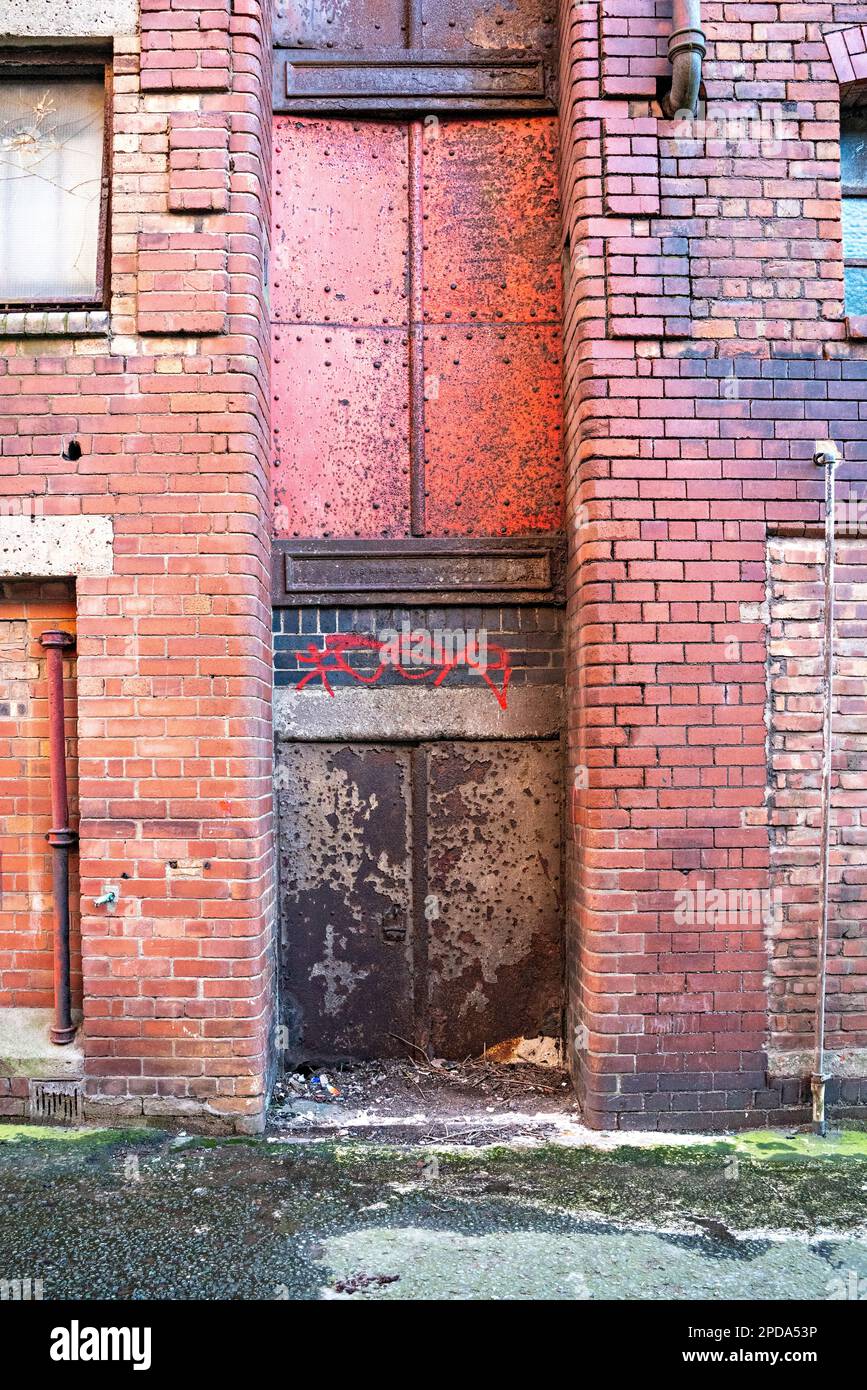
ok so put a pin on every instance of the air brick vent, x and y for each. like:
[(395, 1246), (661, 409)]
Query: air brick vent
[(56, 1102)]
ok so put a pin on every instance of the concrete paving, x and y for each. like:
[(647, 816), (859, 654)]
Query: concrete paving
[(96, 1214)]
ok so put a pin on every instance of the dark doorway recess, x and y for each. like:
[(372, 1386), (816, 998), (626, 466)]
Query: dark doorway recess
[(420, 896)]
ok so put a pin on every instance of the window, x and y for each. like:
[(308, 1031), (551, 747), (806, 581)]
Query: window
[(53, 183), (853, 164)]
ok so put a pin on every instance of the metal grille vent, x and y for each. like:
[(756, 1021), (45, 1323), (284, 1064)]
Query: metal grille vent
[(56, 1102)]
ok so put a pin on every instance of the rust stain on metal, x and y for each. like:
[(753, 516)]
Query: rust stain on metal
[(341, 24), (467, 25), (417, 365), (340, 340), (340, 222), (347, 972), (494, 450), (493, 238), (341, 435), (415, 162), (441, 25), (494, 948)]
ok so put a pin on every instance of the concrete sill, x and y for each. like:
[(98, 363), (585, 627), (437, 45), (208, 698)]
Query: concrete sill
[(26, 1049), (55, 323)]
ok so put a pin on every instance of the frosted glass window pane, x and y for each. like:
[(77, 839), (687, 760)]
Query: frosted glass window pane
[(51, 146), (856, 289), (853, 151), (854, 228)]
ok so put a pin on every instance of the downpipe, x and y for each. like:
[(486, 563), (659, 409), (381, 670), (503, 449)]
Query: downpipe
[(61, 837), (686, 49), (827, 456)]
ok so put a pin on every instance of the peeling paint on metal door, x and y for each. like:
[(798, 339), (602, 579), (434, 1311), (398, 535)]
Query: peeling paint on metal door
[(493, 870), (344, 814), (420, 896)]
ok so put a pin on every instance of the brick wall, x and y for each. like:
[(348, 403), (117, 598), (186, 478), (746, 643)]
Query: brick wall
[(171, 410), (795, 647), (707, 352), (26, 954)]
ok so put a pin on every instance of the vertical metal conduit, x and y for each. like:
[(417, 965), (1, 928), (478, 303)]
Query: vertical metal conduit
[(826, 457), (61, 837)]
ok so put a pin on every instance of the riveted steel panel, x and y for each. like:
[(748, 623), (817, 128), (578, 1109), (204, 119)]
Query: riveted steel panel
[(345, 24), (340, 243), (493, 894), (482, 26), (494, 444), (492, 230), (341, 432), (345, 898), (448, 233)]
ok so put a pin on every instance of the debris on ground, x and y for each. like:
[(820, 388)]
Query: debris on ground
[(364, 1281), (318, 1087), (424, 1098), (544, 1052)]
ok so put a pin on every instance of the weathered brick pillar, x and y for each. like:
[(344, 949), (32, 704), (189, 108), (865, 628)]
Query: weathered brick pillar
[(174, 647), (707, 350), (160, 518)]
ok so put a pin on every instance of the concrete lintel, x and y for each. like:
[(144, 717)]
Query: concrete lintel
[(44, 546), (404, 712), (75, 19)]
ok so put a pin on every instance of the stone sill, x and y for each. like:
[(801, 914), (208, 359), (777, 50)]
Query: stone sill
[(26, 1049), (54, 323)]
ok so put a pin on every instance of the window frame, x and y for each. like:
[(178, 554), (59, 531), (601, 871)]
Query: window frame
[(68, 64)]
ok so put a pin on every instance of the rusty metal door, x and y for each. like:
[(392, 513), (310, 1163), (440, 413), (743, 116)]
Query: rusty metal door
[(420, 896), (345, 897), (493, 894)]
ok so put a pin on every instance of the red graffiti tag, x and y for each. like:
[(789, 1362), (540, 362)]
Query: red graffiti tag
[(332, 660)]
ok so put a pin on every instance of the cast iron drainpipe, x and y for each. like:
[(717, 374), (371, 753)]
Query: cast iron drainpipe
[(61, 837), (827, 456), (686, 48)]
